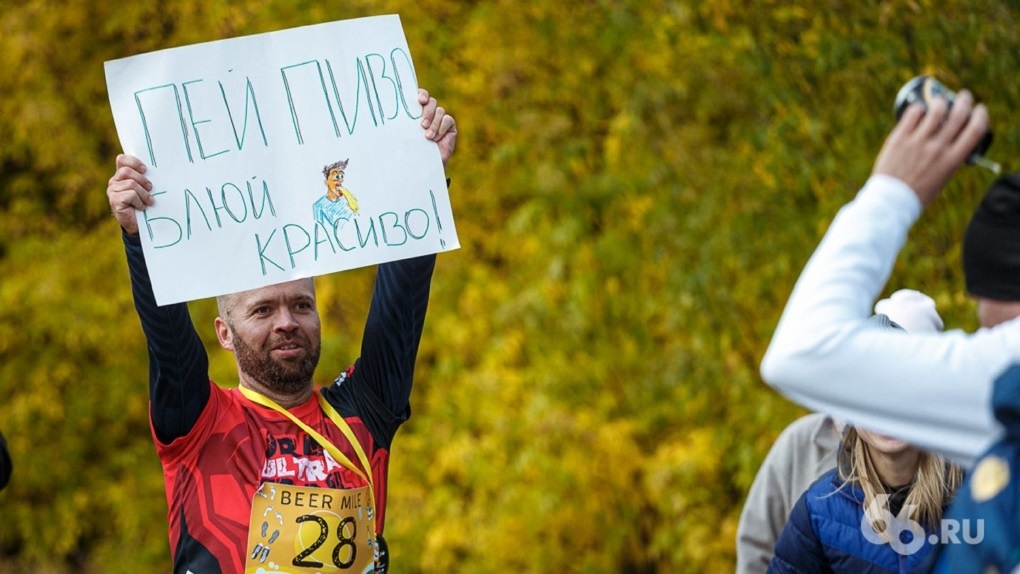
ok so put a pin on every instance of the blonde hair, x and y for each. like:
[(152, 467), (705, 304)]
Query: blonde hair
[(934, 486)]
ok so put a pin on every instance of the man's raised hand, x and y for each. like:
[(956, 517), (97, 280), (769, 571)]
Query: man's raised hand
[(129, 190)]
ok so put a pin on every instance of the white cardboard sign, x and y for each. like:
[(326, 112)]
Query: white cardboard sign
[(280, 156)]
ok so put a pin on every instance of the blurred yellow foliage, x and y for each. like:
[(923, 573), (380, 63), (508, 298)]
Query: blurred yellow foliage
[(637, 186)]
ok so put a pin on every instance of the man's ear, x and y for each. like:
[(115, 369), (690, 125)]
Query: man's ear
[(223, 333)]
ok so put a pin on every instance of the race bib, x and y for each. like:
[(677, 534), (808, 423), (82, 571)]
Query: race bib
[(298, 530)]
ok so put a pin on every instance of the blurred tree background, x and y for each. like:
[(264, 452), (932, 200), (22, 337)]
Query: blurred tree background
[(637, 185)]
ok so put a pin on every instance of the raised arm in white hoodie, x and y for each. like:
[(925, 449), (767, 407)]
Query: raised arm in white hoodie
[(932, 390)]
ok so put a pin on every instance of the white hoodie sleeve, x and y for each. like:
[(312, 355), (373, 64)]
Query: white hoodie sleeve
[(932, 390)]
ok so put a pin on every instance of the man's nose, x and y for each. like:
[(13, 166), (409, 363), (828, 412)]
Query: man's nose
[(285, 320)]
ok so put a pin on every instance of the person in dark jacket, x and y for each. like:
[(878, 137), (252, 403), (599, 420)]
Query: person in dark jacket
[(5, 463), (875, 512), (987, 507)]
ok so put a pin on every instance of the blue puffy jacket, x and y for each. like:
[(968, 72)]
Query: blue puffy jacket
[(824, 534)]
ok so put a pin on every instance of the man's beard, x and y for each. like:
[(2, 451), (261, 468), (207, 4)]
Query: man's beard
[(282, 376)]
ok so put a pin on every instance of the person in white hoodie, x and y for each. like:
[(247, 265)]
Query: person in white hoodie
[(806, 449), (933, 390)]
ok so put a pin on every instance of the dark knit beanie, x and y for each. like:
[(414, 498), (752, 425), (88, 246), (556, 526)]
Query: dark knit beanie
[(991, 246)]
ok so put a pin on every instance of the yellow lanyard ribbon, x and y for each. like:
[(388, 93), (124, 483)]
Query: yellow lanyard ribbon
[(340, 423)]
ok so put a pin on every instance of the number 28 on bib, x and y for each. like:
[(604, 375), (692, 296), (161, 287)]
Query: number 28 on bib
[(299, 530)]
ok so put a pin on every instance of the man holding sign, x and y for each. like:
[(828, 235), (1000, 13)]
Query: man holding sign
[(276, 475)]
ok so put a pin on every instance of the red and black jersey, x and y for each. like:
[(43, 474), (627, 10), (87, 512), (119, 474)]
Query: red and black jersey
[(212, 473), (217, 447)]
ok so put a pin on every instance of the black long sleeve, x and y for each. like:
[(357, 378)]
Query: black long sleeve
[(178, 363), (379, 388)]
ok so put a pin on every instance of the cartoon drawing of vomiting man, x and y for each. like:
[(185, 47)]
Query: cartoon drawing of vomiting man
[(339, 204)]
